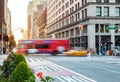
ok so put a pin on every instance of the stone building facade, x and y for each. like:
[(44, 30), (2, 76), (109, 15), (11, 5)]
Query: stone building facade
[(86, 23)]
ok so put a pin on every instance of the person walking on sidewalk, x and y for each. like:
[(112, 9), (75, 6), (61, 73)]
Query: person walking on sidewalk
[(116, 52)]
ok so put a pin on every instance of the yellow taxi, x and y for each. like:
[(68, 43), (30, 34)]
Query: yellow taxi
[(76, 53)]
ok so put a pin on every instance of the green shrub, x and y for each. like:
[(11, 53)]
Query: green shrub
[(47, 79), (5, 69), (8, 65), (3, 79), (21, 73), (19, 58)]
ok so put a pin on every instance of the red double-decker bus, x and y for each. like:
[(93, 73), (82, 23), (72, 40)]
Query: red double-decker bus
[(53, 46)]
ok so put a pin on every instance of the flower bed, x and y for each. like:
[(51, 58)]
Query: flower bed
[(15, 69)]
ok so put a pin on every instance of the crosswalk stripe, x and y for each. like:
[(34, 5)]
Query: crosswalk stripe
[(43, 67), (61, 80), (68, 79), (80, 80)]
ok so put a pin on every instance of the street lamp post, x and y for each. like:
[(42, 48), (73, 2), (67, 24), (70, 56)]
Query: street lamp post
[(80, 28), (99, 41)]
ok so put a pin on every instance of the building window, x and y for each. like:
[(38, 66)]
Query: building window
[(62, 23), (82, 2), (117, 11), (76, 17), (72, 18), (106, 1), (76, 7), (62, 1), (117, 1), (63, 35), (85, 12), (67, 34), (67, 21), (71, 32), (98, 11), (72, 9), (85, 29), (106, 11), (71, 1), (85, 1), (98, 1), (63, 15), (82, 14), (63, 8)]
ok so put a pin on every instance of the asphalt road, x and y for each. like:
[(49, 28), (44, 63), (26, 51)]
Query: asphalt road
[(78, 69)]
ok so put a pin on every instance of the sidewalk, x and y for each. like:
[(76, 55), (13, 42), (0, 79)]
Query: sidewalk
[(2, 57)]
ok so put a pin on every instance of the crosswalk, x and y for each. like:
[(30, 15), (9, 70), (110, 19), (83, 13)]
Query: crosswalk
[(59, 73)]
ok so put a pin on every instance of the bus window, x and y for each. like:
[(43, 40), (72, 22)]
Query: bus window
[(30, 46), (43, 46)]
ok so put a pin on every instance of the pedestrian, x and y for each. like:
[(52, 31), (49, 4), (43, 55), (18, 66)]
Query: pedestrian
[(92, 51), (115, 52), (0, 50), (88, 55), (4, 50)]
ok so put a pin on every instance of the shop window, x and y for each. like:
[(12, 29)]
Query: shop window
[(117, 1), (98, 1), (97, 28), (106, 30), (106, 1), (102, 28)]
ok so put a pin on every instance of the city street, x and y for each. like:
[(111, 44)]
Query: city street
[(77, 69)]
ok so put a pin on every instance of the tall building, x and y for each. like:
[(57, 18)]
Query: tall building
[(8, 22), (4, 23), (86, 23), (34, 11)]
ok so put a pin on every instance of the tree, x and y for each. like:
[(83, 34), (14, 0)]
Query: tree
[(12, 43)]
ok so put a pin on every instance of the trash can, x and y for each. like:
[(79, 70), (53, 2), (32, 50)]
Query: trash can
[(108, 52)]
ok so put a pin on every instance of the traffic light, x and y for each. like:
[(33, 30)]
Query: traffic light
[(22, 30), (80, 27)]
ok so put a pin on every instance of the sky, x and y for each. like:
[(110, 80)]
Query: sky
[(18, 10)]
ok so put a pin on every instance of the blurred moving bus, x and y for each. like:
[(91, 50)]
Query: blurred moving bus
[(52, 46)]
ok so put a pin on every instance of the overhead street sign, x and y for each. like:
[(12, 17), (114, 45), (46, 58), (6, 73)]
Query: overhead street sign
[(111, 28)]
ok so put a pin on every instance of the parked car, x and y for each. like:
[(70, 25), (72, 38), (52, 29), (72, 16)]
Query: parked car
[(76, 53)]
